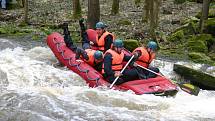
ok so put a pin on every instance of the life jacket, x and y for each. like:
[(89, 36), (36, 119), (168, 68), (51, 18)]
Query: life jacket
[(100, 42), (146, 58), (117, 60), (90, 54)]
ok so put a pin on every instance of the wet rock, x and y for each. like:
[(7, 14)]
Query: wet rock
[(200, 75)]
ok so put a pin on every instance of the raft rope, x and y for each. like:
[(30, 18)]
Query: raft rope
[(86, 71)]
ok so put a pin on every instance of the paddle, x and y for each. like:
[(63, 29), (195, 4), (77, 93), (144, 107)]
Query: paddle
[(189, 88), (121, 71)]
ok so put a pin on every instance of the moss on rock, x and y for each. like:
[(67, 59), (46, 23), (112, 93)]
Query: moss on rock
[(199, 43), (124, 22), (200, 58), (203, 80), (131, 44), (190, 27), (177, 36)]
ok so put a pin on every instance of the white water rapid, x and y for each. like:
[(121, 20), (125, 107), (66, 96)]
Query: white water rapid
[(32, 89)]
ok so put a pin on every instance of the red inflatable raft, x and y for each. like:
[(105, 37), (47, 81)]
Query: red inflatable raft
[(158, 85)]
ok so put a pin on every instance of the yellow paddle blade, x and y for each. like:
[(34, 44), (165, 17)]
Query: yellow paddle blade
[(189, 88)]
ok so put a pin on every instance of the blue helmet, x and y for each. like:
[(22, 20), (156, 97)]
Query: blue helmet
[(118, 43), (152, 45), (100, 25), (98, 55)]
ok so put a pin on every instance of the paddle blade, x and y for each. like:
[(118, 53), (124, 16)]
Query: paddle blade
[(189, 88)]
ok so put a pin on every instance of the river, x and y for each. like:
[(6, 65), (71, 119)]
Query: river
[(32, 89)]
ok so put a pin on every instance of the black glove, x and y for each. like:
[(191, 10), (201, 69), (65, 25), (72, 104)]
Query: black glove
[(82, 52), (136, 55), (85, 56), (78, 53), (65, 28), (81, 20), (83, 28)]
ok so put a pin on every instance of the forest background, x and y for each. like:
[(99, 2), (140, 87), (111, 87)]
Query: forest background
[(184, 29)]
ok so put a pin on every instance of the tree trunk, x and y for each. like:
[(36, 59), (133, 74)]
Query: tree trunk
[(93, 13), (151, 12), (146, 8), (205, 11), (115, 7), (26, 11), (152, 19), (76, 9)]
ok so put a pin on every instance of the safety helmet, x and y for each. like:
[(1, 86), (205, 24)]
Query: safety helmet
[(118, 43), (100, 25), (98, 55), (152, 45)]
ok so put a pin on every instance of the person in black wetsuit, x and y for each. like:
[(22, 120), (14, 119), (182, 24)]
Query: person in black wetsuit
[(113, 59), (103, 40)]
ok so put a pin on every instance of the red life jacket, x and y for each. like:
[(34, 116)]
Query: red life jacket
[(146, 58), (117, 60)]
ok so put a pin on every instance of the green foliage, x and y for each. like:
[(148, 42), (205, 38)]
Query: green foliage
[(124, 22), (47, 31), (190, 28), (179, 1), (131, 44), (192, 0), (210, 26), (76, 37), (200, 58), (189, 20), (177, 36), (197, 46), (199, 43), (3, 31), (137, 3), (211, 14), (9, 29), (35, 37), (212, 55), (13, 6), (22, 24)]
